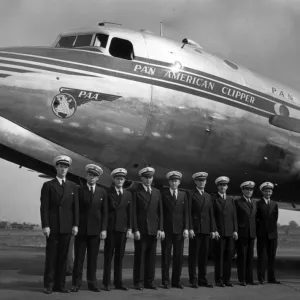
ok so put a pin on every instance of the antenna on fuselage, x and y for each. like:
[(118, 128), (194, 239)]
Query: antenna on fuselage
[(105, 22), (161, 29)]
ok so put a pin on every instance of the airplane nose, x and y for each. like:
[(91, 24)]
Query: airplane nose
[(100, 117)]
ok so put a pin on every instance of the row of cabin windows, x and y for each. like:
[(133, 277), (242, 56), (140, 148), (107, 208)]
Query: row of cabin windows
[(118, 47)]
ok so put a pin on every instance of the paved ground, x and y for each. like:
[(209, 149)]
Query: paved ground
[(21, 272)]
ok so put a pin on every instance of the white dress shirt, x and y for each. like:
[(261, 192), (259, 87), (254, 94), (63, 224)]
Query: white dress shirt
[(174, 191), (146, 188), (267, 201), (200, 191), (91, 187), (223, 196), (119, 190), (60, 180)]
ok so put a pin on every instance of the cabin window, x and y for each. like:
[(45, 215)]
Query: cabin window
[(121, 48), (83, 40), (66, 41), (101, 40)]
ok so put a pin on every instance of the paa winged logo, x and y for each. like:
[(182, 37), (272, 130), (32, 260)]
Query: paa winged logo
[(64, 105)]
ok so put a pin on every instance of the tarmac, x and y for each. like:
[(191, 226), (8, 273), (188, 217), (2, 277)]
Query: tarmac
[(21, 277)]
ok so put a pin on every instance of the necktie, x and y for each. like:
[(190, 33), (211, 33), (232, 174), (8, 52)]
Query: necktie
[(148, 190), (92, 190), (63, 184), (174, 196)]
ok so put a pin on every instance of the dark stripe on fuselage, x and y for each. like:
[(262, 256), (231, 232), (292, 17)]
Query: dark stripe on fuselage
[(210, 86), (4, 75), (39, 67), (2, 68)]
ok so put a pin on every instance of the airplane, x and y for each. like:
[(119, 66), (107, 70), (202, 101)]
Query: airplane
[(123, 98)]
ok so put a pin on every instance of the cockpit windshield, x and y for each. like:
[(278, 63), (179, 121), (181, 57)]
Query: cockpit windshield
[(83, 40)]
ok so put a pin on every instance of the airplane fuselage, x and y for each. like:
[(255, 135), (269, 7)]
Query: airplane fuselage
[(209, 115)]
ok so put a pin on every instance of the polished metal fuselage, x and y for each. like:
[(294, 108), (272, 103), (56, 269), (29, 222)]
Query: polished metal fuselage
[(166, 120)]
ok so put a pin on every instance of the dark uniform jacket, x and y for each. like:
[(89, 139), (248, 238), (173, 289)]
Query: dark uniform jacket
[(176, 214), (93, 210), (147, 211), (59, 207), (201, 213), (225, 215), (119, 210), (266, 219), (246, 218)]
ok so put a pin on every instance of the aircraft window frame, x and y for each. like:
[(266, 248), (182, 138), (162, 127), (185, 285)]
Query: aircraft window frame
[(83, 35), (130, 56), (103, 43), (65, 37)]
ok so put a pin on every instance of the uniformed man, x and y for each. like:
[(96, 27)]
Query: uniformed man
[(118, 230), (60, 219), (267, 234), (92, 228), (202, 227), (226, 224), (246, 214), (147, 228), (176, 224)]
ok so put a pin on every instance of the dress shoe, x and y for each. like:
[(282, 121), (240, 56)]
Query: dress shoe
[(206, 284), (165, 286), (122, 288), (138, 287), (150, 287), (48, 291), (194, 285), (69, 273), (106, 288), (261, 282), (252, 283), (243, 284), (178, 286), (220, 284), (74, 289), (274, 281), (228, 284), (94, 289)]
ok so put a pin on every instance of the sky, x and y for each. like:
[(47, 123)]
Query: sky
[(262, 35)]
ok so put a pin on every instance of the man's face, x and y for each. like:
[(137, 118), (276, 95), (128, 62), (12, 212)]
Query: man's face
[(147, 180), (119, 181), (174, 183), (62, 170), (267, 193), (91, 178), (222, 187), (200, 184), (247, 192)]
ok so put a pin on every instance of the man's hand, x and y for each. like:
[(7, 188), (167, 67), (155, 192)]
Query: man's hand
[(235, 235), (185, 234), (46, 231), (103, 235), (158, 235), (217, 236), (212, 235), (74, 230), (129, 234), (137, 235), (191, 234)]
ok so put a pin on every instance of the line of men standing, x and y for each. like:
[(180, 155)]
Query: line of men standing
[(91, 214)]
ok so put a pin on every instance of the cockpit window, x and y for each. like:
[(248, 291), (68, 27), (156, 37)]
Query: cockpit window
[(101, 40), (83, 40), (121, 48), (66, 41)]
